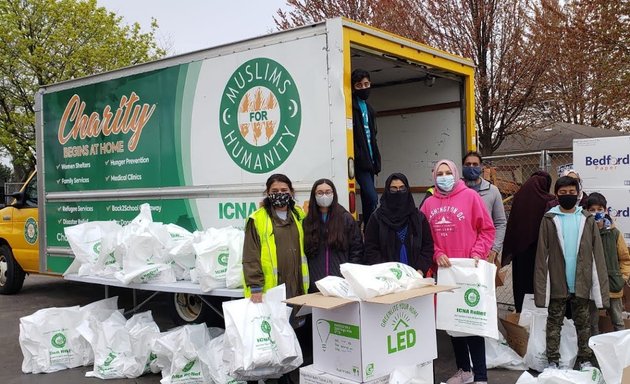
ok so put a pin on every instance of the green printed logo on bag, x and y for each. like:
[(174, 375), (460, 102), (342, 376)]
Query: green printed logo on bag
[(109, 359), (223, 259), (472, 297), (399, 317), (58, 340), (266, 328), (397, 272), (189, 365)]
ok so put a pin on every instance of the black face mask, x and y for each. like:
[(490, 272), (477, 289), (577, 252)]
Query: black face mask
[(567, 201), (362, 94), (280, 199)]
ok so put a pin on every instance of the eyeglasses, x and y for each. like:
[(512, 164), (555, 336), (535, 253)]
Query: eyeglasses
[(401, 189), (324, 193), (362, 85)]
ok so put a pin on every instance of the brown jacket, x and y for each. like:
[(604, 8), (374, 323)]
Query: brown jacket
[(624, 263), (591, 276)]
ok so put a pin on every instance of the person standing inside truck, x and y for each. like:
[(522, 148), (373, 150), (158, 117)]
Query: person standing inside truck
[(397, 230), (367, 158), (521, 235), (331, 235), (461, 228), (471, 170)]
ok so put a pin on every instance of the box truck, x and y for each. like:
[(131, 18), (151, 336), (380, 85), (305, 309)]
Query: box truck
[(197, 135)]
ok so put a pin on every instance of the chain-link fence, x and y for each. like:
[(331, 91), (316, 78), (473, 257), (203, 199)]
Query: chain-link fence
[(508, 173)]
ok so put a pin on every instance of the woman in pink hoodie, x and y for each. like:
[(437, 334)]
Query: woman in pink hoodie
[(461, 228)]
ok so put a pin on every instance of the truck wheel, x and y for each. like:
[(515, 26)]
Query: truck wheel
[(190, 309), (11, 274)]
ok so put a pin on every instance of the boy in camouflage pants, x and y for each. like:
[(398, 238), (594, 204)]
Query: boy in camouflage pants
[(570, 268)]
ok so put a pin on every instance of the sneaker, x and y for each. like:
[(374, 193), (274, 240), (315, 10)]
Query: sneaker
[(585, 364), (552, 365), (480, 382), (461, 377)]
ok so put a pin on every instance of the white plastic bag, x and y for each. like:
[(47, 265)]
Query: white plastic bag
[(500, 355), (122, 348), (613, 353), (86, 241), (142, 252), (526, 378), (570, 376), (218, 368), (212, 259), (536, 355), (471, 309), (181, 353), (413, 374), (259, 341), (234, 274), (368, 281), (180, 250), (336, 286), (50, 341)]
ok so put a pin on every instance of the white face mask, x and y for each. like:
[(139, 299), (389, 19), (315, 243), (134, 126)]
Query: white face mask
[(445, 182), (324, 201)]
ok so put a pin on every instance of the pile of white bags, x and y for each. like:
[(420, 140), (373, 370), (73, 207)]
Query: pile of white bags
[(183, 355), (369, 281), (500, 355), (122, 348), (471, 309), (564, 376), (337, 287), (613, 353), (259, 341), (219, 258), (50, 341), (535, 321), (145, 251)]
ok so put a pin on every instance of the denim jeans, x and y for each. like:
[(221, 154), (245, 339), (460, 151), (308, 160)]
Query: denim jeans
[(475, 347), (369, 198)]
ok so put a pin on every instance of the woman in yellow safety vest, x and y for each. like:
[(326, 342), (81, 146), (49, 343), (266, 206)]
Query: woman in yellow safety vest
[(273, 252)]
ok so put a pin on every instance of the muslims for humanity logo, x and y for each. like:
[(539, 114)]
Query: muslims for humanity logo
[(260, 115)]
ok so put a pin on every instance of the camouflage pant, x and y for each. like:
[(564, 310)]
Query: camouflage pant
[(581, 319)]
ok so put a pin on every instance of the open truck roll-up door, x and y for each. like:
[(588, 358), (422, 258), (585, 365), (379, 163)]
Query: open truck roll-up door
[(423, 98)]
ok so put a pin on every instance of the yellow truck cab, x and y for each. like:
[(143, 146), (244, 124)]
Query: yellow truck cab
[(19, 237)]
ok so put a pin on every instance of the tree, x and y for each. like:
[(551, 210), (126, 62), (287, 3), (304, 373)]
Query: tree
[(48, 41), (499, 36), (589, 80)]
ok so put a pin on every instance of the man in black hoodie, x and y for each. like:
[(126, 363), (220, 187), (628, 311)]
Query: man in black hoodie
[(367, 158)]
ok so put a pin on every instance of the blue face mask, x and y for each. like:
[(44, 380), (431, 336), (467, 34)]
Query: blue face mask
[(599, 216), (445, 183), (471, 173)]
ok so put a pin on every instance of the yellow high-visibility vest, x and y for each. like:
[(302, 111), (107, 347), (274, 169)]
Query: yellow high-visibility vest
[(268, 255)]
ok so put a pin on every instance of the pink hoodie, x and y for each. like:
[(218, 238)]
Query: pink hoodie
[(460, 223)]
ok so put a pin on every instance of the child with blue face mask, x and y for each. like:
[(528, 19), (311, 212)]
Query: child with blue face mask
[(617, 262)]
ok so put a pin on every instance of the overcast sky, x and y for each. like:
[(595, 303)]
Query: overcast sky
[(189, 25)]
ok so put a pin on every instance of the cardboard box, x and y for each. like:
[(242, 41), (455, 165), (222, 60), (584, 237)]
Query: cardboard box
[(625, 377), (366, 340), (310, 375), (516, 335), (603, 162), (618, 208), (605, 324)]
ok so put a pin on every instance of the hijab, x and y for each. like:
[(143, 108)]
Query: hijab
[(455, 172), (397, 208), (528, 207)]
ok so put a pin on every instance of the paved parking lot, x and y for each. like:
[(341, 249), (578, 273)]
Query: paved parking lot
[(43, 292)]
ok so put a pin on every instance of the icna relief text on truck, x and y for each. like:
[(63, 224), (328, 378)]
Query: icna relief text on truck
[(197, 135)]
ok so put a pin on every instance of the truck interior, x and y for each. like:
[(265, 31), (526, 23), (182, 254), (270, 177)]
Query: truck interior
[(419, 116)]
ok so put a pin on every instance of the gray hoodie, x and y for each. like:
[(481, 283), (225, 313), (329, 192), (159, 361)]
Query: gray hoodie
[(492, 198)]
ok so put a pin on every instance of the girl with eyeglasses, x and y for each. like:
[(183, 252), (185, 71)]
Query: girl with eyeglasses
[(331, 235), (397, 230)]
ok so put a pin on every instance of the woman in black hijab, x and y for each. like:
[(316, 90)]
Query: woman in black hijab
[(397, 230), (521, 235)]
